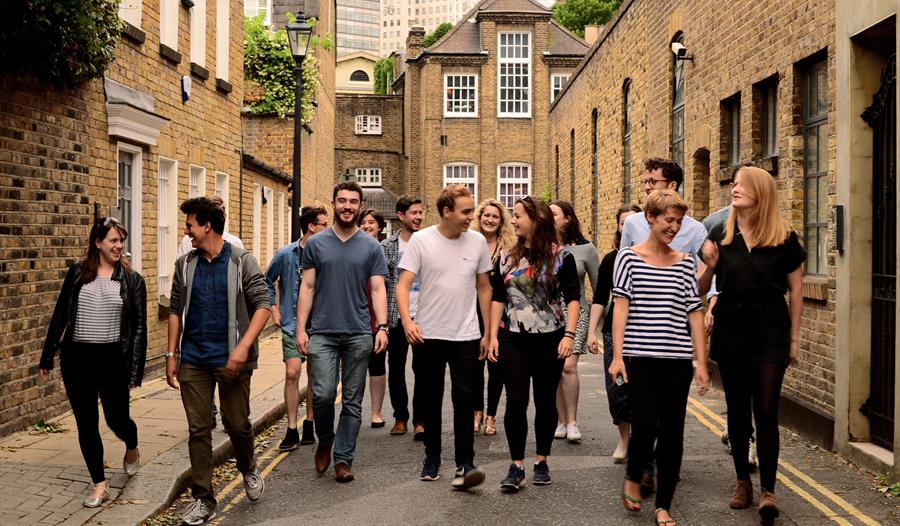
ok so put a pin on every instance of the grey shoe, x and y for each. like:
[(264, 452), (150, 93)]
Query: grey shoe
[(254, 485), (197, 513), (131, 468), (90, 502)]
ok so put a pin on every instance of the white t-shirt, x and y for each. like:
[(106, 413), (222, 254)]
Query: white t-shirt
[(185, 246), (414, 289), (447, 270)]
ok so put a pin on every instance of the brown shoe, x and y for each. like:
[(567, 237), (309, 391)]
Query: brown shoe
[(323, 457), (399, 428), (419, 433), (768, 505), (342, 472), (743, 495)]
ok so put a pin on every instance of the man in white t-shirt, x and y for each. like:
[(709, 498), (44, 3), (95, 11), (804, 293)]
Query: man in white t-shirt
[(452, 265)]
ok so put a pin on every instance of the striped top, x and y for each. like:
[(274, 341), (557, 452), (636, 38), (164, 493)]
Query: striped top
[(99, 313), (660, 299)]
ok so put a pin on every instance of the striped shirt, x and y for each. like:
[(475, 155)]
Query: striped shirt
[(660, 299), (99, 314)]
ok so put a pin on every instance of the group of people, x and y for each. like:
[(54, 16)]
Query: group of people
[(485, 285)]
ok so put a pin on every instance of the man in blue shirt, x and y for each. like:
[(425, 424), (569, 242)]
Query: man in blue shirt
[(285, 269)]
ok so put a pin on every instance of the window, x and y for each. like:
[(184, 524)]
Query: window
[(677, 148), (595, 172), (282, 221), (167, 223), (557, 83), (368, 125), (168, 23), (626, 142), (222, 191), (514, 88), (513, 183), (223, 39), (731, 131), (198, 33), (572, 166), (196, 181), (130, 11), (259, 7), (465, 174), (128, 202), (557, 173), (768, 117), (257, 220), (369, 177), (815, 166), (461, 95), (270, 222), (359, 76)]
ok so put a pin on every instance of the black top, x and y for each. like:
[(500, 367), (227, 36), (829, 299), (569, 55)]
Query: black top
[(604, 287), (752, 321)]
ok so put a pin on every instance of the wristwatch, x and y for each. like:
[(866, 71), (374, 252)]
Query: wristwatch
[(382, 327), (169, 355)]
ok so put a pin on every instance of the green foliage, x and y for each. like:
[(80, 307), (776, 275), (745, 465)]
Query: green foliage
[(384, 75), (575, 14), (61, 41), (437, 34), (43, 428), (269, 70), (886, 486), (547, 194)]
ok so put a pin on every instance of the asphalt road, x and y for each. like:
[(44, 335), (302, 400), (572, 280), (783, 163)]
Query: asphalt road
[(814, 487)]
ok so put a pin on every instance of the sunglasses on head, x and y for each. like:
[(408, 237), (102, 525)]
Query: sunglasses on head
[(106, 221)]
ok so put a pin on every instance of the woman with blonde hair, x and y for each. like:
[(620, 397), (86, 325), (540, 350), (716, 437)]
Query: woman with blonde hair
[(492, 220), (756, 258)]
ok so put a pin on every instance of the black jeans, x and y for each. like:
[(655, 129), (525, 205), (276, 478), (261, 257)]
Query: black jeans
[(462, 357), (494, 388), (657, 391), (530, 358), (90, 370), (397, 350)]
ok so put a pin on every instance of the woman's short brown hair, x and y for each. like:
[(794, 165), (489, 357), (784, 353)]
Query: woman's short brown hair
[(661, 201)]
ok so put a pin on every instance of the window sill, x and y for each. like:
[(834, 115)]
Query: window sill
[(199, 71), (134, 34), (725, 173), (769, 164), (169, 54), (223, 86), (460, 115), (815, 288)]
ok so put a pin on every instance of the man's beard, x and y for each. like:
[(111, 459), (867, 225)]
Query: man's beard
[(347, 224)]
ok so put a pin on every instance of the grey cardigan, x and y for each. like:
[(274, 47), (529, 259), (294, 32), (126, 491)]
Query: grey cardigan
[(587, 261), (245, 281)]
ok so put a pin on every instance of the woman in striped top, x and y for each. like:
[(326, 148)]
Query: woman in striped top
[(657, 324), (100, 323)]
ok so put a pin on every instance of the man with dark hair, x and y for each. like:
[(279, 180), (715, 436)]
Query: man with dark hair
[(285, 269), (452, 264), (218, 307), (410, 213), (185, 246), (338, 264)]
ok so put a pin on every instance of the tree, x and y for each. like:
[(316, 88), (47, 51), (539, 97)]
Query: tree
[(384, 75), (437, 34), (575, 14)]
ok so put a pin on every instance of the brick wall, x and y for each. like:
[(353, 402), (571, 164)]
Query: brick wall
[(371, 151), (733, 49)]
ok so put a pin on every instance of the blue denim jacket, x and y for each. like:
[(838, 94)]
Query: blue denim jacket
[(285, 268)]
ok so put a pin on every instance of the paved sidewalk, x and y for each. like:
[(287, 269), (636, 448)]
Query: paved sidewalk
[(43, 477)]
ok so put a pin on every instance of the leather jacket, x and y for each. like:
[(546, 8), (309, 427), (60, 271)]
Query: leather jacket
[(133, 325)]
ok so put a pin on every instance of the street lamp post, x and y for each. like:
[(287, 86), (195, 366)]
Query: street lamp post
[(299, 34)]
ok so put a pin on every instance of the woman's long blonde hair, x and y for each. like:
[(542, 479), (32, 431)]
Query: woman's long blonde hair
[(505, 236), (769, 228)]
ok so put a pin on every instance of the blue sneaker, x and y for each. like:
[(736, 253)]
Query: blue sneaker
[(541, 474), (468, 476), (430, 469), (514, 479)]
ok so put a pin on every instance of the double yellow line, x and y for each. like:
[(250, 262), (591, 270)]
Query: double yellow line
[(224, 492), (707, 417)]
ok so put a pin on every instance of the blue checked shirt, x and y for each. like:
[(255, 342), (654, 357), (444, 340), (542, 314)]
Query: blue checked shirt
[(285, 269)]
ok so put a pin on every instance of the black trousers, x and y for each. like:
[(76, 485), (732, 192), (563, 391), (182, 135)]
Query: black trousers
[(657, 392), (530, 358), (494, 388), (397, 351), (89, 371), (462, 357)]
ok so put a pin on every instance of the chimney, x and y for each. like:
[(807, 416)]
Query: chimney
[(415, 41), (592, 33)]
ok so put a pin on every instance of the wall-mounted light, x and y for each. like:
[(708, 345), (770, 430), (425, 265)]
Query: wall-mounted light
[(680, 52)]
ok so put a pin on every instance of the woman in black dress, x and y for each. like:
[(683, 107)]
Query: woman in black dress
[(756, 258)]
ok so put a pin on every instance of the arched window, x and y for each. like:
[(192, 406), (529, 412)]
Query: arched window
[(359, 76), (626, 141), (595, 172), (677, 149)]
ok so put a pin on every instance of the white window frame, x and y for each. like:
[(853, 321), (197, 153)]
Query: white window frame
[(452, 176), (270, 223), (198, 33), (509, 199), (134, 229), (196, 188), (554, 90), (368, 125), (168, 23), (221, 189), (166, 223), (282, 221), (369, 177), (502, 61), (474, 88), (251, 10), (131, 11), (223, 38), (257, 219)]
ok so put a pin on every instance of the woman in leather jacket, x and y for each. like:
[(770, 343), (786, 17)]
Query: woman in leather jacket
[(100, 327)]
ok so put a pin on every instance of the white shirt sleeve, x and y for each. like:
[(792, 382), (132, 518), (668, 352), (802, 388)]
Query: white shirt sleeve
[(184, 247), (628, 237)]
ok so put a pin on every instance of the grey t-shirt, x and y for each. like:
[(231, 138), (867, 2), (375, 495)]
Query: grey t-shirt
[(587, 261), (343, 269)]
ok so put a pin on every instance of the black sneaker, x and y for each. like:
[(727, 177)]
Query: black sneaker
[(309, 436), (541, 475), (468, 476), (291, 440), (514, 479), (430, 469)]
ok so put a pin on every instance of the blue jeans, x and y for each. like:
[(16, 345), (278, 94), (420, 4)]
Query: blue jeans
[(328, 353)]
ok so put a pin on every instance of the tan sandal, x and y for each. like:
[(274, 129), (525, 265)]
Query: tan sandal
[(479, 418), (490, 426)]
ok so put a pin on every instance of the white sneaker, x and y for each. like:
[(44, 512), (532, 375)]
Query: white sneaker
[(254, 485), (561, 431), (197, 513), (573, 435)]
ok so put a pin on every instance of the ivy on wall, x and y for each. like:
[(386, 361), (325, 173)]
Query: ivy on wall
[(384, 75), (269, 70), (61, 41)]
